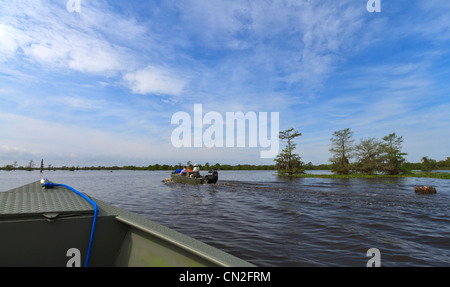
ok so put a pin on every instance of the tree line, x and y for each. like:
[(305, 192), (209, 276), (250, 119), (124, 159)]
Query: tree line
[(368, 156), (153, 167), (425, 165)]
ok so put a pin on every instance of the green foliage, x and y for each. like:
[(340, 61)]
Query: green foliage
[(439, 175), (155, 167), (428, 164), (342, 151), (372, 155), (287, 162), (373, 158), (444, 164), (392, 156), (368, 156), (8, 167), (30, 166)]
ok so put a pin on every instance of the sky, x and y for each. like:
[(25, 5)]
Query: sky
[(98, 82)]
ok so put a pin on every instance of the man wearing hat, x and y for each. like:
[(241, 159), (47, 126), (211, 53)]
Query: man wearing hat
[(196, 169)]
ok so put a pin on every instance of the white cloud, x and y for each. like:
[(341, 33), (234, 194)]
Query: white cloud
[(300, 40), (96, 57), (74, 50), (49, 35), (77, 103), (153, 80), (272, 56), (17, 151), (8, 42), (269, 43)]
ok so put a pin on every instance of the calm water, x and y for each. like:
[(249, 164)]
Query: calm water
[(272, 221)]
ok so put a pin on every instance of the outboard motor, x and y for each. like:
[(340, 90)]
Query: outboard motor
[(212, 176)]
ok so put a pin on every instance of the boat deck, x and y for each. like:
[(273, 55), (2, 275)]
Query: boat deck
[(39, 226), (32, 200)]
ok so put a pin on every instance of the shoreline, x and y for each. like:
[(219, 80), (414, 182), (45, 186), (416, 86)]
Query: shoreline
[(438, 175), (417, 174)]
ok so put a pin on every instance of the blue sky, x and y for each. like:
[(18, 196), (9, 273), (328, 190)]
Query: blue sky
[(100, 86)]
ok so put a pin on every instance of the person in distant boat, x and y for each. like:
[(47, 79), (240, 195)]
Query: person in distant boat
[(196, 168), (178, 170), (196, 171), (183, 171)]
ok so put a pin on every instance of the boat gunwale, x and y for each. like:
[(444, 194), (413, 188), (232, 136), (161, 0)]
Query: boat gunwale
[(132, 220), (189, 248)]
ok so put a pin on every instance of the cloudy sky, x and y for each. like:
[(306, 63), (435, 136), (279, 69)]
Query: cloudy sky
[(100, 86)]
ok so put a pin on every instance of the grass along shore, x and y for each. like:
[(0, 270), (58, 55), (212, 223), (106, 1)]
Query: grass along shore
[(440, 175)]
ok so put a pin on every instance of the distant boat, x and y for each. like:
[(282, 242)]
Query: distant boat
[(195, 178), (46, 225)]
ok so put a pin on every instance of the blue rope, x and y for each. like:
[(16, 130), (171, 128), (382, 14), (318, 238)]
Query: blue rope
[(51, 185)]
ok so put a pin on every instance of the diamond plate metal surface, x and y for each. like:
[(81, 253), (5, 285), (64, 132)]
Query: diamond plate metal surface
[(31, 199)]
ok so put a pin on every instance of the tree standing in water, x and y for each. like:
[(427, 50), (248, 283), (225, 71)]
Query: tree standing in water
[(342, 149), (287, 162), (392, 154), (368, 153), (428, 164)]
